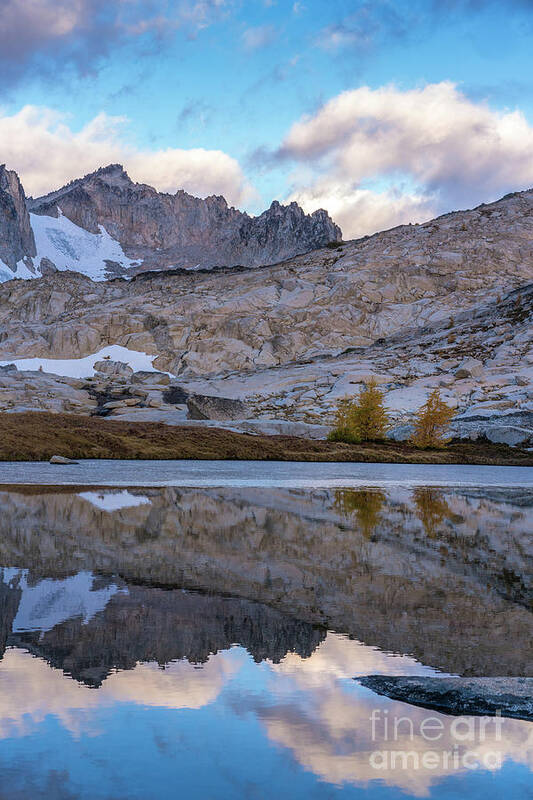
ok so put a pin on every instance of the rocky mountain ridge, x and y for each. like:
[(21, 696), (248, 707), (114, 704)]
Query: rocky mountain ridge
[(104, 225)]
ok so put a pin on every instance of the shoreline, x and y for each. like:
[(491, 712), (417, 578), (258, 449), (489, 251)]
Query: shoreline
[(37, 436)]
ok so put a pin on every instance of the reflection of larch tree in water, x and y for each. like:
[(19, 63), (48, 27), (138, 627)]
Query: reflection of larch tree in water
[(431, 507), (365, 504)]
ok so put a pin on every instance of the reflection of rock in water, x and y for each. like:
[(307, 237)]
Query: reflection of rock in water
[(160, 625), (458, 599), (9, 603)]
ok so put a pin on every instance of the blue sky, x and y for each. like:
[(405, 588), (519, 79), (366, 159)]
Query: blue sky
[(206, 94)]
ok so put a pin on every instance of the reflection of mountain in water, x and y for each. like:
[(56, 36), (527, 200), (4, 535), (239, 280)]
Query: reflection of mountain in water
[(9, 603), (148, 624), (444, 575)]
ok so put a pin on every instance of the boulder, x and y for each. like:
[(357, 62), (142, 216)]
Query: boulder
[(108, 367), (514, 429), (150, 377), (47, 267), (469, 368), (510, 434), (8, 368), (401, 433), (62, 460), (175, 396), (281, 427), (218, 408)]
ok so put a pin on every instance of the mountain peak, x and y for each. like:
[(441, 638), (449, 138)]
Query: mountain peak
[(113, 173), (162, 230)]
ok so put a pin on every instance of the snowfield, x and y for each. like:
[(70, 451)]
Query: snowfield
[(84, 367), (69, 247), (73, 248)]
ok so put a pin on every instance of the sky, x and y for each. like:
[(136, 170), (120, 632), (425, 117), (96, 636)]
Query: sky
[(381, 112)]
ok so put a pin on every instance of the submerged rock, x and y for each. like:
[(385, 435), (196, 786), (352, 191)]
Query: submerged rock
[(510, 697)]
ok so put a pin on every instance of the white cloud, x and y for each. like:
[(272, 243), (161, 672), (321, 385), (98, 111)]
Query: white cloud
[(31, 690), (336, 37), (47, 153), (256, 38), (455, 151), (361, 211)]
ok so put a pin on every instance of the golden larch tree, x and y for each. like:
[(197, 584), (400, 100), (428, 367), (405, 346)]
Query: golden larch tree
[(432, 422), (363, 418)]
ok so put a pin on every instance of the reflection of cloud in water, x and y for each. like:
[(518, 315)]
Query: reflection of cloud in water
[(339, 657), (30, 690), (323, 717)]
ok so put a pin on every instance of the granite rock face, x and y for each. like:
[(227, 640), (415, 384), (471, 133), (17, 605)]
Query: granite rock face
[(16, 236), (162, 230), (291, 339)]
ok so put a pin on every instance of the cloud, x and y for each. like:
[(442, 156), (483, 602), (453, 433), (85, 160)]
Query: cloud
[(190, 15), (46, 153), (36, 35), (257, 38), (29, 28), (31, 691), (373, 24), (195, 111), (453, 151), (359, 212), (369, 25)]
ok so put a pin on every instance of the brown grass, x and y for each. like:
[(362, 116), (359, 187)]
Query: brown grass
[(38, 436)]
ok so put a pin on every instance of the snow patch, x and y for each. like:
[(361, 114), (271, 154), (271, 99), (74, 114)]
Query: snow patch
[(84, 367), (22, 272), (70, 247), (114, 501)]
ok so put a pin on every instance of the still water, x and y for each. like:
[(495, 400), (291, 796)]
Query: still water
[(272, 474), (173, 641)]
